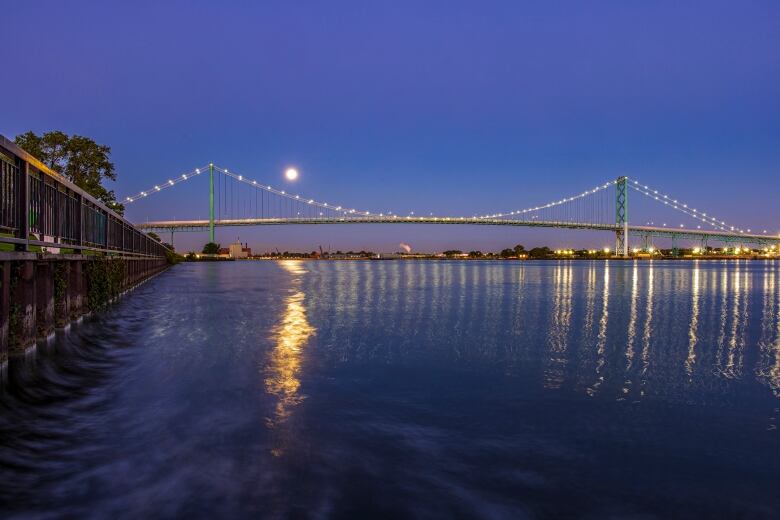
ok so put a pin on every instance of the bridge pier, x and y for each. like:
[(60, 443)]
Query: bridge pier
[(621, 243), (646, 242)]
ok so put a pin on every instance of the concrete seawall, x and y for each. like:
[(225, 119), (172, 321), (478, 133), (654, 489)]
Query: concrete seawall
[(39, 292)]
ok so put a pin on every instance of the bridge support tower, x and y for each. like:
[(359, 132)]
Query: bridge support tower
[(211, 203), (621, 216)]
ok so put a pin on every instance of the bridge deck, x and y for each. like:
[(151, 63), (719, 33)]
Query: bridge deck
[(197, 225)]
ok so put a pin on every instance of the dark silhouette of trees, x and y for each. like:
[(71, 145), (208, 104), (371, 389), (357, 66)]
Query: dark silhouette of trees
[(211, 249), (540, 252)]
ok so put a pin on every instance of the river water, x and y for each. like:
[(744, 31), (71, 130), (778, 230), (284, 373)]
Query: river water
[(407, 388)]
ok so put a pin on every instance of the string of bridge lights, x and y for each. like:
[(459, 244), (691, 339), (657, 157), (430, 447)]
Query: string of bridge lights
[(634, 184), (251, 182), (641, 188), (170, 182), (297, 198), (683, 207), (552, 204)]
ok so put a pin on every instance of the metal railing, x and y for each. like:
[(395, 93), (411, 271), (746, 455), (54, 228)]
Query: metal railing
[(39, 207)]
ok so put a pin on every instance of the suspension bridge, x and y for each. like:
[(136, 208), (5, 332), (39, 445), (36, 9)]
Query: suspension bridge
[(238, 200)]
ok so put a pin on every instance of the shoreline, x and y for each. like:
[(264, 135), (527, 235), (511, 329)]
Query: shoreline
[(554, 259)]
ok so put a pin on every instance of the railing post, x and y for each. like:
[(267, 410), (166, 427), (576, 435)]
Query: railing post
[(105, 230), (23, 206), (80, 206)]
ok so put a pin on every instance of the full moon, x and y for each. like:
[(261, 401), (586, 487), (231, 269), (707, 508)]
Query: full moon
[(291, 174)]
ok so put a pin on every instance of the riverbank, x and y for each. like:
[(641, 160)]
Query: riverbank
[(40, 292), (494, 259)]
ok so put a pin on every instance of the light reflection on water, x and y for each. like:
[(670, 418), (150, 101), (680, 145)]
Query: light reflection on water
[(635, 324), (291, 335), (428, 389), (693, 329), (666, 329)]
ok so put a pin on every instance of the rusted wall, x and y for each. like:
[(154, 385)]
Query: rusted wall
[(39, 292)]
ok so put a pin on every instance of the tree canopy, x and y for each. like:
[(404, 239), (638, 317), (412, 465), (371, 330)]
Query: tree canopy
[(77, 158), (540, 252), (211, 249)]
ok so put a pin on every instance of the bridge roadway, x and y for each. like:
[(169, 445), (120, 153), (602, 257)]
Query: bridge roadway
[(641, 231)]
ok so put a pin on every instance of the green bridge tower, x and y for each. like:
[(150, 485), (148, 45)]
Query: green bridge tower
[(211, 202), (621, 216)]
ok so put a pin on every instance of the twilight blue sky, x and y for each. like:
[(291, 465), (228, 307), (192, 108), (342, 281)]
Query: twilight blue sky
[(448, 107)]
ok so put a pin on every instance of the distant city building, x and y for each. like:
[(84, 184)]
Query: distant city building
[(346, 256), (239, 250)]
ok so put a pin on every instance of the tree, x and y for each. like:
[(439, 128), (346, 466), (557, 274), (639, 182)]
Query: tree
[(540, 252), (507, 253), (77, 158), (475, 254), (154, 235), (519, 250), (211, 249)]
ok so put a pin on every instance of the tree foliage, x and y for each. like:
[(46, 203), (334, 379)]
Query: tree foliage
[(211, 249), (540, 252), (77, 158)]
